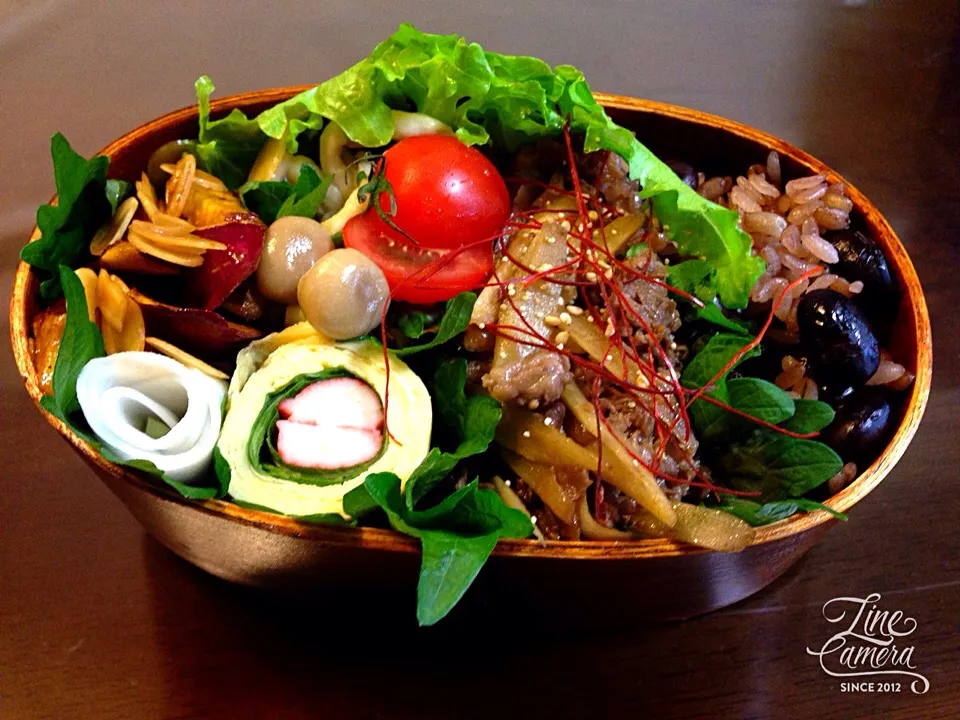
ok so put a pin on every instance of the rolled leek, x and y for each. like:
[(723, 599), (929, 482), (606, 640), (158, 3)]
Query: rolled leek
[(124, 395)]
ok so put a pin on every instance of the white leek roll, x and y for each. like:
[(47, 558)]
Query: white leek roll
[(119, 393)]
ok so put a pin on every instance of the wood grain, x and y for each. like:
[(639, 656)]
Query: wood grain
[(97, 621)]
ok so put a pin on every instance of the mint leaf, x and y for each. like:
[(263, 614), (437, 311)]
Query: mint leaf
[(778, 465), (711, 422), (455, 320), (763, 514), (760, 399), (713, 314), (810, 416)]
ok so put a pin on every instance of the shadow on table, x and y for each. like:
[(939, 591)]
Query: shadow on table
[(251, 653)]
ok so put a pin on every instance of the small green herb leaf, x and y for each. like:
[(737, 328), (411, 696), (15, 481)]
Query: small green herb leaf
[(457, 537), (696, 277), (413, 324), (810, 416), (81, 338), (779, 465), (271, 200), (763, 514), (455, 320), (708, 420), (713, 314), (83, 203), (473, 421), (760, 399)]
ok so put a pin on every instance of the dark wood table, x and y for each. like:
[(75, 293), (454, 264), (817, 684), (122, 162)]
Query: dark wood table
[(98, 621)]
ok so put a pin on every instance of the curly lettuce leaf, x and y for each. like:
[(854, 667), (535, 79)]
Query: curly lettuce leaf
[(508, 100), (228, 146), (486, 97)]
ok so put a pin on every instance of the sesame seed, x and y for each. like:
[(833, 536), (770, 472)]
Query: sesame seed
[(609, 358), (526, 433), (481, 325), (580, 227), (565, 318), (673, 345), (636, 463), (565, 225), (551, 239), (548, 421), (610, 329), (508, 483), (562, 337), (551, 321), (533, 404), (526, 294), (589, 318), (613, 231), (632, 404), (559, 346), (608, 273), (592, 276), (533, 519), (574, 310), (511, 290), (503, 355), (593, 215)]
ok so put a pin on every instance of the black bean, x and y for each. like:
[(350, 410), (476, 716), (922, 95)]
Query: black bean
[(862, 259), (833, 393), (838, 338), (863, 424), (684, 171)]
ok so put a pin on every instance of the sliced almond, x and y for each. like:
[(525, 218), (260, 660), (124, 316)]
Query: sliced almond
[(179, 184), (111, 300), (124, 256), (89, 280), (149, 248), (112, 231), (185, 358), (164, 224), (148, 197)]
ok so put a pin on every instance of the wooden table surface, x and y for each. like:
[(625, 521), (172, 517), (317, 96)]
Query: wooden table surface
[(98, 621)]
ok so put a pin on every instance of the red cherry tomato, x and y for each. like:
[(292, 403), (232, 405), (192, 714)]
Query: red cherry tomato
[(417, 274), (453, 203)]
